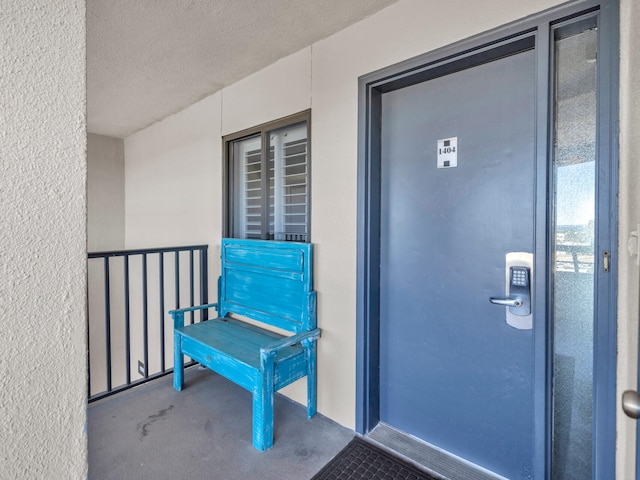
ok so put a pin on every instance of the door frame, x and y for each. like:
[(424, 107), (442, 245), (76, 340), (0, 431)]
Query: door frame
[(464, 54)]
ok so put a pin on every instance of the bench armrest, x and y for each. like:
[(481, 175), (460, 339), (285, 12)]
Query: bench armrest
[(192, 309), (178, 315), (288, 341)]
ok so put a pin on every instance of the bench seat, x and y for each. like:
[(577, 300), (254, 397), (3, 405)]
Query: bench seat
[(232, 348)]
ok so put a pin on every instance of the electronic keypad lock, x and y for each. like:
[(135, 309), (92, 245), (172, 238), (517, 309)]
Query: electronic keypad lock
[(518, 290), (519, 299)]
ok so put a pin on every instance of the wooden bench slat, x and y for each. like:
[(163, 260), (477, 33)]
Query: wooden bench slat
[(283, 260), (278, 302), (238, 340)]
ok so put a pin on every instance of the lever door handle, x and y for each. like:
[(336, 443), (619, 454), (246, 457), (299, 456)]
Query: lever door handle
[(507, 302), (631, 404)]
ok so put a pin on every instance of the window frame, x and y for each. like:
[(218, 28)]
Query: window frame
[(228, 174)]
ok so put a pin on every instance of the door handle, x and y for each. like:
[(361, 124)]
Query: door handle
[(517, 296), (507, 302), (631, 404), (519, 291)]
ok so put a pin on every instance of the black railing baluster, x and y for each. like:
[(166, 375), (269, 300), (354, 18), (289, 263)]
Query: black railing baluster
[(88, 349), (177, 279), (142, 321), (204, 285), (145, 316), (191, 296), (127, 320), (107, 320), (161, 294)]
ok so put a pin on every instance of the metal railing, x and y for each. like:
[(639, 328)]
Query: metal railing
[(130, 292)]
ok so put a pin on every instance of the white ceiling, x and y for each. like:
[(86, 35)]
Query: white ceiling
[(147, 59)]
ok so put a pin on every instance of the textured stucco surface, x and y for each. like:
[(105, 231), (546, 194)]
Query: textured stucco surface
[(629, 216), (146, 62), (105, 193), (42, 239)]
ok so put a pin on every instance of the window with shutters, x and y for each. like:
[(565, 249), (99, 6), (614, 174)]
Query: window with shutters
[(268, 181)]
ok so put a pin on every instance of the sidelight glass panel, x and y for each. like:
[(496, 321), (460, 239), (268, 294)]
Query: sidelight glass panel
[(574, 161)]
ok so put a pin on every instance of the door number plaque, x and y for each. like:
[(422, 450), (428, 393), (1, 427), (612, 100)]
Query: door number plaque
[(448, 152)]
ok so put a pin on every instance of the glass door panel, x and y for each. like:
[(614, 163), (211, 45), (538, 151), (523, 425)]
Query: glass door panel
[(574, 180)]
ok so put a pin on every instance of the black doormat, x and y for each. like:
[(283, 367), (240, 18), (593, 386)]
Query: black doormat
[(360, 460)]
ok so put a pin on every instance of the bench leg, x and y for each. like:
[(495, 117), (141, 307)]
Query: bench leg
[(178, 362), (263, 405), (310, 347)]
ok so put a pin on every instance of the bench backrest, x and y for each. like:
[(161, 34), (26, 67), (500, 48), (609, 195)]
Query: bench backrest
[(268, 281)]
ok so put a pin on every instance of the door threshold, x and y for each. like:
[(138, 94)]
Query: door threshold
[(433, 460)]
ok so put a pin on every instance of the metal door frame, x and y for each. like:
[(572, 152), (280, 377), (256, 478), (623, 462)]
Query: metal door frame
[(467, 53)]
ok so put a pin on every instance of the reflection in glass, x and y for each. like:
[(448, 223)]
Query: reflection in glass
[(574, 157)]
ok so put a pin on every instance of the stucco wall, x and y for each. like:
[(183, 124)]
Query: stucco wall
[(173, 180), (105, 193), (629, 198), (42, 239)]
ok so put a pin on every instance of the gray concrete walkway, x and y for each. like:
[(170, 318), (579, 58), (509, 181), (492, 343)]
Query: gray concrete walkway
[(203, 432)]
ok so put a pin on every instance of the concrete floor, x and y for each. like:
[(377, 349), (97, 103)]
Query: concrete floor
[(154, 432)]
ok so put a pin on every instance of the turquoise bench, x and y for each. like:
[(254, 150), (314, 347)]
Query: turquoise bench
[(270, 283)]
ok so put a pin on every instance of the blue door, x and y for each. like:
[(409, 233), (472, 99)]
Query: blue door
[(494, 153), (453, 372)]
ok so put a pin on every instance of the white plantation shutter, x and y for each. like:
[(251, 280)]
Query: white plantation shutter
[(248, 188), (289, 197), (253, 194), (271, 185)]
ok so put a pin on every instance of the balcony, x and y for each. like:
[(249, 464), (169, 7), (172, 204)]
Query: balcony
[(138, 426), (155, 432)]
